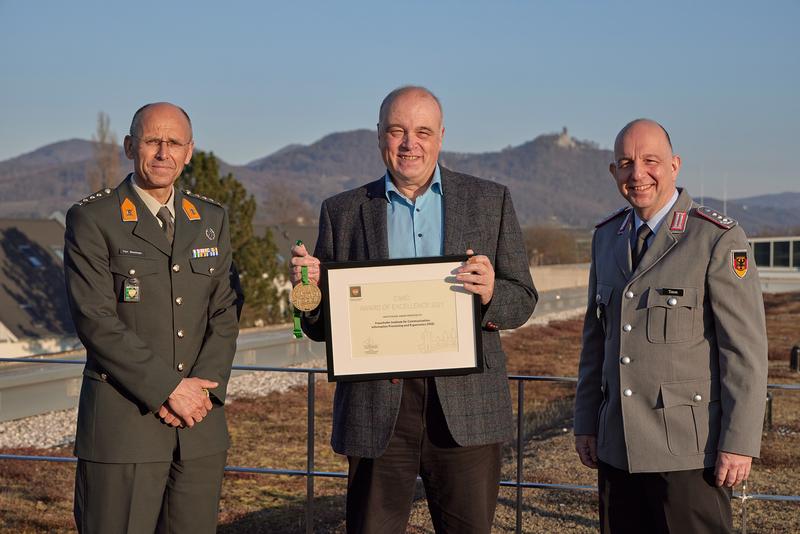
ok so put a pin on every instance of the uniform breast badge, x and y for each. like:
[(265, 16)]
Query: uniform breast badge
[(131, 292)]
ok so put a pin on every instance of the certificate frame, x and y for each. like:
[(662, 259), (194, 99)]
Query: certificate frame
[(417, 302)]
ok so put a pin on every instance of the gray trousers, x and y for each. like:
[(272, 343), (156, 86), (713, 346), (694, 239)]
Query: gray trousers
[(181, 496)]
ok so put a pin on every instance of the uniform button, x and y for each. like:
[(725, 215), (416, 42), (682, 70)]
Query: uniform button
[(180, 366), (627, 328), (210, 270), (625, 360), (627, 393), (672, 301), (629, 294), (178, 300), (131, 271), (103, 377), (697, 397), (180, 333), (176, 268)]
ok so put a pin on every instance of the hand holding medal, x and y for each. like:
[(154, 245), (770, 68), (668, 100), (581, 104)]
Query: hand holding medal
[(305, 296)]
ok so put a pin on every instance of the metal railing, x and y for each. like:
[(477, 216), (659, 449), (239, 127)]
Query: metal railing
[(310, 473)]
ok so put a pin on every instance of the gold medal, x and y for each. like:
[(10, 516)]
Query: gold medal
[(306, 297)]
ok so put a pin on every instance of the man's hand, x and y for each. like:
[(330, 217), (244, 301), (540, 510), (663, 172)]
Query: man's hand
[(586, 445), (731, 468), (190, 400), (478, 277), (301, 258), (169, 417)]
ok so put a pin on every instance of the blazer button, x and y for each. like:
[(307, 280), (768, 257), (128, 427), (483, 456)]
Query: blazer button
[(131, 271), (178, 300), (210, 270), (180, 333), (672, 301), (180, 366), (103, 377), (697, 397), (627, 328), (627, 393), (629, 294), (176, 268), (625, 360)]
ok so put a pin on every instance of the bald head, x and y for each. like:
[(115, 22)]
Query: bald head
[(633, 123), (404, 91), (136, 122)]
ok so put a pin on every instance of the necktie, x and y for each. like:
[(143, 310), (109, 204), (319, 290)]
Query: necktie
[(640, 246), (167, 224)]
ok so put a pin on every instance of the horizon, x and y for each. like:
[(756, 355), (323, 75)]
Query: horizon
[(721, 77)]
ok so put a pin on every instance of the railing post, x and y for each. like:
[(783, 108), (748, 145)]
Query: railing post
[(310, 456), (520, 438), (768, 418)]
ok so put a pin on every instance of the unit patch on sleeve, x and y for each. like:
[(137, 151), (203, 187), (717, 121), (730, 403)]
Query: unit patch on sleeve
[(739, 262)]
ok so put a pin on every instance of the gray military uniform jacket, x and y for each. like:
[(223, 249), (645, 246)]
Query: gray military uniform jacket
[(478, 214), (674, 361), (183, 324)]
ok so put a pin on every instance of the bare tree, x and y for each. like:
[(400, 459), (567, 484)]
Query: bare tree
[(105, 170)]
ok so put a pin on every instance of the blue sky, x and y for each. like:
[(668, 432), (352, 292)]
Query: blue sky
[(723, 77)]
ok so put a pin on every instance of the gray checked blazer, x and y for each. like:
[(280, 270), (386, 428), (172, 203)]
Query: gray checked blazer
[(674, 360), (478, 214)]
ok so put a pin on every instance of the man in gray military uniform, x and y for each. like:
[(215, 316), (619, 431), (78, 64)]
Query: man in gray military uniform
[(449, 429), (147, 270), (673, 371)]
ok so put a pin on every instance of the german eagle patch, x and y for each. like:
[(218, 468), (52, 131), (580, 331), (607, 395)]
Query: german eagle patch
[(739, 262)]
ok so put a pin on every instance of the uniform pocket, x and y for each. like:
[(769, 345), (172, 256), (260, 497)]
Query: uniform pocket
[(691, 415), (671, 317)]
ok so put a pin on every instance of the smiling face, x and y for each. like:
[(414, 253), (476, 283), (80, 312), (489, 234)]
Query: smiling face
[(645, 168), (410, 136), (160, 147)]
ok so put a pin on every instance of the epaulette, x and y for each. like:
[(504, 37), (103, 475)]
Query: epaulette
[(611, 217), (201, 197), (94, 196), (723, 221)]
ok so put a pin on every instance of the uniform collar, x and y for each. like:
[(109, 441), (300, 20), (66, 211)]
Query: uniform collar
[(150, 202)]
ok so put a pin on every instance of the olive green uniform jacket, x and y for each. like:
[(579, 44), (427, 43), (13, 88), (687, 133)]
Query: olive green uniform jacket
[(674, 361), (183, 325)]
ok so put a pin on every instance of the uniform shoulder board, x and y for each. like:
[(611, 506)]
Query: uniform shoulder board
[(723, 221), (612, 216), (94, 196), (201, 197)]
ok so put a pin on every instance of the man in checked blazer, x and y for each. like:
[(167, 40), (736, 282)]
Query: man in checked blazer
[(448, 429), (148, 277), (673, 371)]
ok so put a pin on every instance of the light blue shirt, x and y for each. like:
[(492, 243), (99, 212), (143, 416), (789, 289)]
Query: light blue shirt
[(416, 229), (655, 221)]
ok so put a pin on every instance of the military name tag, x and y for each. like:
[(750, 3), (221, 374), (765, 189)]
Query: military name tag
[(130, 292), (672, 292), (305, 297)]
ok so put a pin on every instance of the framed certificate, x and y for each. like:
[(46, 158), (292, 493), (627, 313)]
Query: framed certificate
[(400, 318)]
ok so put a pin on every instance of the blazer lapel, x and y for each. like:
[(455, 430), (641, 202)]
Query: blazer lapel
[(454, 204), (373, 214), (146, 226), (622, 247), (186, 230)]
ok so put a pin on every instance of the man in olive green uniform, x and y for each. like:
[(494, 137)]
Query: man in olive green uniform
[(147, 270), (672, 378)]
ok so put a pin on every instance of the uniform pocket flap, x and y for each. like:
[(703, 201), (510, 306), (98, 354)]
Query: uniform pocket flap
[(603, 295), (689, 392), (132, 266), (205, 266), (684, 297)]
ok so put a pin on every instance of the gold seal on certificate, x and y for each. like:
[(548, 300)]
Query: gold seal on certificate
[(305, 297)]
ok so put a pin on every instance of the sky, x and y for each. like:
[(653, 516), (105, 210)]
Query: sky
[(722, 76)]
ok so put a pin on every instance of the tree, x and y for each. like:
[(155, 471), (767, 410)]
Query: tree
[(105, 169), (256, 257), (548, 245), (284, 206)]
